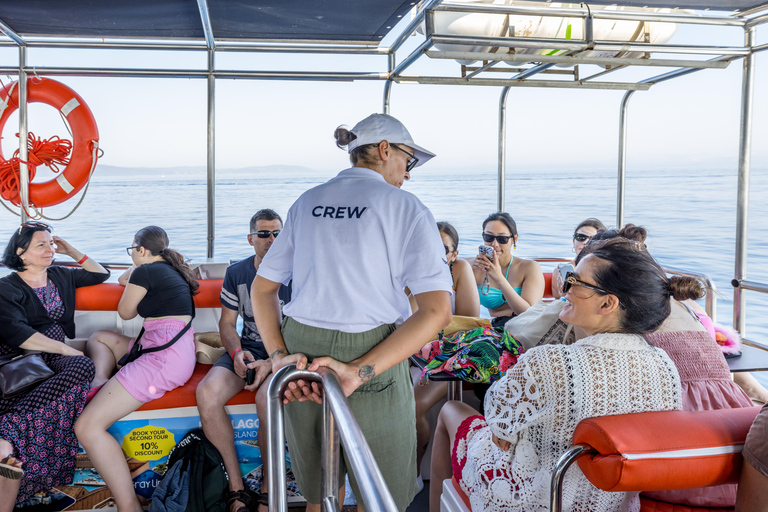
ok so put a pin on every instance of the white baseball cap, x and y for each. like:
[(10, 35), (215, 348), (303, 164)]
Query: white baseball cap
[(378, 127)]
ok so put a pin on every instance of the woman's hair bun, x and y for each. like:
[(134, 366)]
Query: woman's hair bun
[(343, 136), (685, 287)]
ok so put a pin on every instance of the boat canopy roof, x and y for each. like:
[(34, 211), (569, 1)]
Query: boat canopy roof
[(357, 21)]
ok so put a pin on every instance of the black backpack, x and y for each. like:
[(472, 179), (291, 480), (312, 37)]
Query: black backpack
[(195, 479)]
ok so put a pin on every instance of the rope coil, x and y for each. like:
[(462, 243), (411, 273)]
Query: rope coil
[(53, 152)]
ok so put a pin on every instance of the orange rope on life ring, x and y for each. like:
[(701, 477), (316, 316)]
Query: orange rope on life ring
[(54, 151)]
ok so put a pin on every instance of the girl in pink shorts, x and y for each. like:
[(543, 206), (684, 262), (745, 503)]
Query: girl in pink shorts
[(158, 287)]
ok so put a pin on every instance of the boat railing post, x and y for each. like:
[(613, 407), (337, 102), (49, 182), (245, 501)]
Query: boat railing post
[(211, 162), (742, 201), (620, 186), (23, 148), (502, 147), (373, 489), (329, 457), (558, 475)]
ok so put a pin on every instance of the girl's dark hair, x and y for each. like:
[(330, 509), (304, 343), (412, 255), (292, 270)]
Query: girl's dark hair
[(445, 227), (590, 222), (361, 154), (625, 269), (155, 240), (505, 218), (21, 239), (629, 231)]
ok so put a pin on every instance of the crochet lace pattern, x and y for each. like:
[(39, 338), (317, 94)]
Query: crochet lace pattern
[(537, 405)]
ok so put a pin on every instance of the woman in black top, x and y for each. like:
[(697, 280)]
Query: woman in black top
[(159, 287), (37, 304)]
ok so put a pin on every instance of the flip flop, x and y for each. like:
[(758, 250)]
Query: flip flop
[(8, 470)]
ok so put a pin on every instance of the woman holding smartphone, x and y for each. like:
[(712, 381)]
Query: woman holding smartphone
[(508, 285)]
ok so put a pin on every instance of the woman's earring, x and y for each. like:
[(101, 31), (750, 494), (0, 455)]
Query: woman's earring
[(514, 245), (573, 250)]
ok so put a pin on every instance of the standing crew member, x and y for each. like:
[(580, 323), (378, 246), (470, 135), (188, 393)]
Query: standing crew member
[(351, 246)]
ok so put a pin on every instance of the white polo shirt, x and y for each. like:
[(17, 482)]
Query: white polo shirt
[(351, 245)]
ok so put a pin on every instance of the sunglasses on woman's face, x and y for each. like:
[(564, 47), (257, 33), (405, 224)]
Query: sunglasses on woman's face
[(500, 238), (581, 237), (264, 233), (571, 280)]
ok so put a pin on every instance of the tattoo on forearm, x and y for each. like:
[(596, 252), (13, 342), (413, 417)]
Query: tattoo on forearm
[(366, 372), (277, 353)]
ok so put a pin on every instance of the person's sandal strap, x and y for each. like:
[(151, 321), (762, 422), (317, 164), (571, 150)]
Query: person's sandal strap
[(242, 496), (8, 470)]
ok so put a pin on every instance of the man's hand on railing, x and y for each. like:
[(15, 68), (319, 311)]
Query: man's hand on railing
[(350, 376), (299, 390)]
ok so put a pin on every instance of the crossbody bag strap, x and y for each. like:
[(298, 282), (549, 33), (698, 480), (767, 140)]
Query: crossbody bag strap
[(175, 338)]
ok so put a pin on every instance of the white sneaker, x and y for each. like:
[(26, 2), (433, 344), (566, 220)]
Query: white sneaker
[(419, 484)]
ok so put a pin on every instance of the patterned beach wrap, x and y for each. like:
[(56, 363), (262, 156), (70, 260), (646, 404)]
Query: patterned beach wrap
[(481, 355)]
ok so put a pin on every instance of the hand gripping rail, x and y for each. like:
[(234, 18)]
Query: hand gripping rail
[(375, 494), (654, 451)]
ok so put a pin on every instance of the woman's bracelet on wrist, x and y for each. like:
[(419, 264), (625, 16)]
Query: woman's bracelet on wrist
[(82, 260), (232, 355)]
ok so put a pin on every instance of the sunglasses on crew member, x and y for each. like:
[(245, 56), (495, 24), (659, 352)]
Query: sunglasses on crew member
[(581, 237), (501, 238), (411, 163), (264, 233), (570, 280), (34, 225)]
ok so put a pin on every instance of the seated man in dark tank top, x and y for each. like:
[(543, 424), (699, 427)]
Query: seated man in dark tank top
[(243, 352)]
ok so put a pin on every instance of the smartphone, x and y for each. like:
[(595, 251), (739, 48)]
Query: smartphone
[(250, 376), (564, 270), (487, 250)]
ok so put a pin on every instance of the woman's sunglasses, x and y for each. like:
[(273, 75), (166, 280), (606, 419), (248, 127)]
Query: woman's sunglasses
[(581, 237), (264, 233), (571, 280), (501, 238), (35, 225)]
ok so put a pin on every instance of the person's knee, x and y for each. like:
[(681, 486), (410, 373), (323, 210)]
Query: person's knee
[(261, 401), (209, 396)]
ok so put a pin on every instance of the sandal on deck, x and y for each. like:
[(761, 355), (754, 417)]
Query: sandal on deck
[(262, 499), (243, 496), (8, 470)]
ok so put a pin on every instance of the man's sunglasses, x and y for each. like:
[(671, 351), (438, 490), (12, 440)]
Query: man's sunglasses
[(501, 238), (264, 233), (571, 280), (35, 225), (581, 237), (411, 163)]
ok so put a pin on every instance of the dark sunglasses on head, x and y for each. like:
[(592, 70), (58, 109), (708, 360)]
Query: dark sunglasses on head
[(501, 238), (35, 225), (571, 280), (581, 237), (411, 163), (264, 233)]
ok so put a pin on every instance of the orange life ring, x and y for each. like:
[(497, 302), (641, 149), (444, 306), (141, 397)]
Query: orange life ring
[(85, 137)]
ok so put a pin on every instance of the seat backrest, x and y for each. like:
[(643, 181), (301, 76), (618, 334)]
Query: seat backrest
[(106, 296), (664, 450)]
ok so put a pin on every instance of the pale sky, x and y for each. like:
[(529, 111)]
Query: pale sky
[(149, 122)]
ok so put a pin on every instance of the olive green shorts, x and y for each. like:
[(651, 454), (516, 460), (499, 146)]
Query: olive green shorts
[(384, 407)]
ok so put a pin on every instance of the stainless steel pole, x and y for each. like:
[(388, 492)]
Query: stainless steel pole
[(329, 466), (211, 151), (742, 201), (620, 187), (502, 146), (388, 83), (278, 497), (23, 149)]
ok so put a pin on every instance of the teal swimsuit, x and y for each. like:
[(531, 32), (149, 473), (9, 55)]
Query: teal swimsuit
[(495, 299)]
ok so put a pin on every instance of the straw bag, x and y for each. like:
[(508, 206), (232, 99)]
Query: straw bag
[(208, 347), (541, 325)]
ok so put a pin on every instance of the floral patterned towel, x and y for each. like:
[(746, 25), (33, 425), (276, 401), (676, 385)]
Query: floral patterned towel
[(481, 355)]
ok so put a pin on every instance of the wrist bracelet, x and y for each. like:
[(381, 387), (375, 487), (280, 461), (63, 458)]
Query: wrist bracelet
[(232, 355), (82, 260)]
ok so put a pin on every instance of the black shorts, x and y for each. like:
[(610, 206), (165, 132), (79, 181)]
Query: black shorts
[(254, 347)]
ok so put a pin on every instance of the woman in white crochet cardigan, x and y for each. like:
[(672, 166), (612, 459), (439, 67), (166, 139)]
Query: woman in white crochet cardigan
[(503, 462)]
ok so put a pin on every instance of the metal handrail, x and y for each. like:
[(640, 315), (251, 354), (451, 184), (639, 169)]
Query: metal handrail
[(710, 300), (558, 474), (373, 489)]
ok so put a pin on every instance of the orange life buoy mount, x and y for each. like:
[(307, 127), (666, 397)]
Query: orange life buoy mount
[(85, 135)]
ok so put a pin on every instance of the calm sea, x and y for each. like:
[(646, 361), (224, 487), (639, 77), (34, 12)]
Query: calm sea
[(690, 215)]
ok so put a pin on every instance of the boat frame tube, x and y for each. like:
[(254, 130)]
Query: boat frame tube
[(373, 489)]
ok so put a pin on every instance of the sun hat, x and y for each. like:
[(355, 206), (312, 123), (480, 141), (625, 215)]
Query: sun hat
[(378, 127)]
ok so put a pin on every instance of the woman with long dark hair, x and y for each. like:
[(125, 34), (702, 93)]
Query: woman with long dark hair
[(159, 287), (37, 307)]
